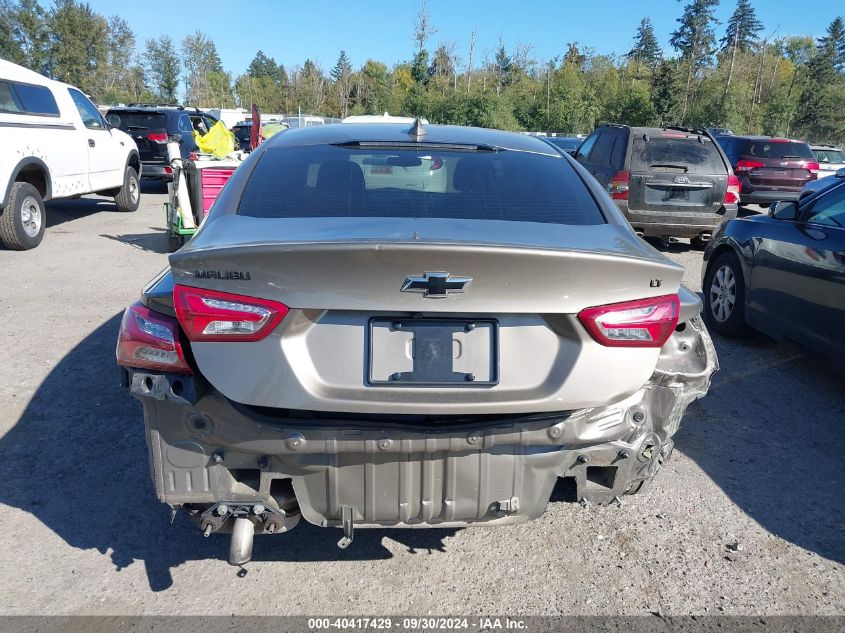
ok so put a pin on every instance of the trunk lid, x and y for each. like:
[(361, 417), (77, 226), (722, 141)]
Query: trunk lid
[(676, 172), (778, 164), (529, 281), (140, 125)]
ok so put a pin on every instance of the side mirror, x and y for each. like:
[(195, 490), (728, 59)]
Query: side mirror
[(840, 173), (786, 210)]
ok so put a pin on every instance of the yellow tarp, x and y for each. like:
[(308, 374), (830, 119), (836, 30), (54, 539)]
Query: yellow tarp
[(219, 142)]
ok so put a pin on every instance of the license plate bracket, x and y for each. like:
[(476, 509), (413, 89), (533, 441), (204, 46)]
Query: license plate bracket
[(433, 352)]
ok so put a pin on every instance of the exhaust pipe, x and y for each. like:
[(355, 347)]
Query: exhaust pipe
[(240, 548)]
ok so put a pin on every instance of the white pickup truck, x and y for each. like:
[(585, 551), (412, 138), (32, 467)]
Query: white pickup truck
[(56, 144)]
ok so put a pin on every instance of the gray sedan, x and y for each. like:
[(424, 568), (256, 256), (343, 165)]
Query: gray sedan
[(782, 273), (424, 327)]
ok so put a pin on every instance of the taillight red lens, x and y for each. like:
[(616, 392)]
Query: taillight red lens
[(748, 165), (732, 194), (618, 185), (436, 163), (813, 167), (641, 323), (208, 315), (150, 340), (158, 137)]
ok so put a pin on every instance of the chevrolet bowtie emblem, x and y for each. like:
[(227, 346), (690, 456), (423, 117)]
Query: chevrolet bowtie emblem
[(435, 285)]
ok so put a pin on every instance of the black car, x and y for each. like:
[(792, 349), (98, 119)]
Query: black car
[(151, 125), (243, 134), (782, 273), (770, 169), (669, 182)]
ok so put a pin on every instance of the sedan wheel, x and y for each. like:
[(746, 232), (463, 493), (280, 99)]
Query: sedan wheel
[(723, 294)]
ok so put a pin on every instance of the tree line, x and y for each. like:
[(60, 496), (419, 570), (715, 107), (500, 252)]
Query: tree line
[(733, 75)]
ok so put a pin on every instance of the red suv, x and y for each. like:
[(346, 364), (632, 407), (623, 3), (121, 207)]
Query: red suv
[(769, 169)]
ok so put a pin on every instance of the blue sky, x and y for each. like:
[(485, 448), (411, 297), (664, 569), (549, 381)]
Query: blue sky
[(382, 29)]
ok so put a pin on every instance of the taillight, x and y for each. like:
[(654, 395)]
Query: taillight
[(813, 167), (618, 185), (748, 165), (436, 163), (641, 323), (732, 194), (150, 340), (168, 170), (158, 137), (208, 315)]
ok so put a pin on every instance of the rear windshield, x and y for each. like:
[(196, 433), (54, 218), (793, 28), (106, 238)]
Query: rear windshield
[(777, 149), (829, 155), (331, 181), (130, 121), (687, 155), (242, 132)]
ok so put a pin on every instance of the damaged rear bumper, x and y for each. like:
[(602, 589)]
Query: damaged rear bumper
[(206, 451)]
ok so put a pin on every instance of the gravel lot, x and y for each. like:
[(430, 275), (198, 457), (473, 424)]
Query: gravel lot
[(747, 518)]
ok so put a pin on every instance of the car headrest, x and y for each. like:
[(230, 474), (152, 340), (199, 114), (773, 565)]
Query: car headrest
[(473, 174), (341, 180)]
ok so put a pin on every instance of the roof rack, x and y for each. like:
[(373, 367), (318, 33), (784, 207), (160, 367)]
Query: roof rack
[(606, 124), (177, 106), (691, 130)]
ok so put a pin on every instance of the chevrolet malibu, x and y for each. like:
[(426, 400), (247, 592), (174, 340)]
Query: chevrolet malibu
[(358, 355)]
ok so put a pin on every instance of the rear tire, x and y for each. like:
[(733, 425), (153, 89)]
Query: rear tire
[(23, 220), (128, 198), (698, 244), (724, 296)]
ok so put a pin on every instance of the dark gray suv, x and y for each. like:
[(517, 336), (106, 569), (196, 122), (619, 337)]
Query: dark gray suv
[(151, 125), (668, 182)]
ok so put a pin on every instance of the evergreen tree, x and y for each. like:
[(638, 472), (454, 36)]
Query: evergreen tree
[(742, 30), (835, 38), (502, 67), (741, 35), (419, 67), (695, 40), (263, 66), (821, 99), (342, 68), (646, 50), (664, 92), (341, 74)]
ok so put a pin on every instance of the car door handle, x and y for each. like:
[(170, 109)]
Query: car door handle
[(91, 142)]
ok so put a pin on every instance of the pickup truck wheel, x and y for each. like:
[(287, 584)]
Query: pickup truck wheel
[(128, 198), (724, 296), (23, 220)]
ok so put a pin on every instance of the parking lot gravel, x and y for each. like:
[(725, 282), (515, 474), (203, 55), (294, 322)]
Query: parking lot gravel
[(748, 517)]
